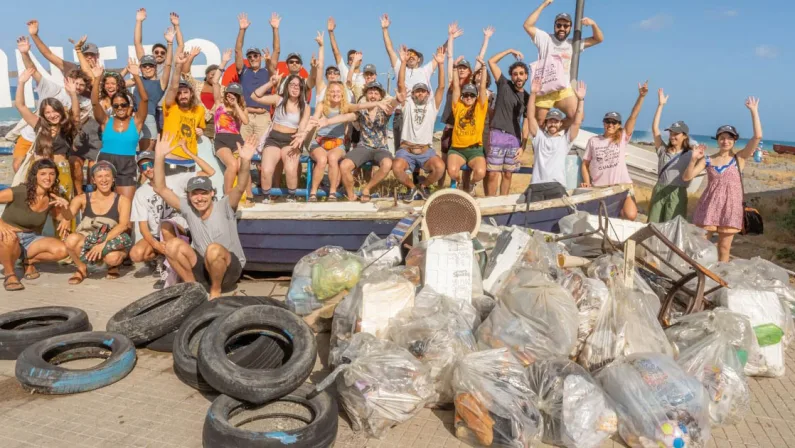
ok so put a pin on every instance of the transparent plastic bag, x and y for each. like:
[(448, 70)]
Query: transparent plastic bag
[(590, 295), (438, 331), (733, 327), (380, 253), (625, 325), (658, 404), (535, 317), (494, 405), (691, 239), (542, 255), (577, 413), (610, 269), (321, 275), (380, 384)]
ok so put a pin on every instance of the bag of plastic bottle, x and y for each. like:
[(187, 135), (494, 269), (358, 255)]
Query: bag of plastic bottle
[(321, 275), (658, 404), (494, 405), (590, 295), (610, 269), (577, 413), (689, 238), (535, 318), (380, 253)]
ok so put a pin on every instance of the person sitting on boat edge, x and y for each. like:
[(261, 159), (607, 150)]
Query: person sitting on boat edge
[(215, 256), (253, 76), (102, 236), (550, 47), (604, 163), (24, 217), (669, 197), (720, 208), (183, 113), (157, 222), (419, 117), (551, 146)]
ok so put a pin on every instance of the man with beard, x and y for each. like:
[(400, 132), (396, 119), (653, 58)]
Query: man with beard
[(558, 45), (551, 146), (505, 135), (88, 50), (184, 115), (215, 256)]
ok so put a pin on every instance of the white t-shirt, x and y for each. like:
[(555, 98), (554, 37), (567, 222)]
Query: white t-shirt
[(550, 45), (418, 121), (415, 75), (549, 163), (358, 78), (50, 89), (150, 207)]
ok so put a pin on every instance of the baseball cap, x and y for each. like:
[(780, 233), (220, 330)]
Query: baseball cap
[(199, 183), (235, 88), (185, 84), (563, 16), (374, 85), (295, 56), (419, 55), (612, 116), (465, 63), (555, 115), (332, 67), (370, 68), (729, 129), (420, 86), (252, 50), (144, 155), (469, 88), (148, 60), (679, 127), (90, 48)]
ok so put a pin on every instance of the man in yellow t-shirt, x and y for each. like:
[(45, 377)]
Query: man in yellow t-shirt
[(183, 113)]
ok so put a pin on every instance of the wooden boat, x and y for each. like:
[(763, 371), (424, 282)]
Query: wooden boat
[(784, 149)]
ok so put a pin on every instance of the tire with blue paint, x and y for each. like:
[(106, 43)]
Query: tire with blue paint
[(262, 353), (38, 369), (22, 328), (320, 430), (158, 313), (257, 385)]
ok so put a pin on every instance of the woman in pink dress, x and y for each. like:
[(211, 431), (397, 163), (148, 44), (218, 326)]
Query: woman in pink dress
[(720, 208)]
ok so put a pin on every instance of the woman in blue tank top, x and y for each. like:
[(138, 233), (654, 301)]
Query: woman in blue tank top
[(120, 132)]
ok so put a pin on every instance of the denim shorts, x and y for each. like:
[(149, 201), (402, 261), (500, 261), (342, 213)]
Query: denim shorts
[(149, 129), (28, 238), (415, 161)]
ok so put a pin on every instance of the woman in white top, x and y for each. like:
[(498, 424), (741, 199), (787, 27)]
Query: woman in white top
[(291, 115)]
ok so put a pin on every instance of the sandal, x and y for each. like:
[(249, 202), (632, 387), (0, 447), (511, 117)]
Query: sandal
[(365, 198), (332, 197), (31, 275), (312, 198), (351, 199), (113, 273), (12, 285), (78, 277)]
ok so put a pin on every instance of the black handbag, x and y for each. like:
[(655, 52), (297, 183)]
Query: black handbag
[(752, 219)]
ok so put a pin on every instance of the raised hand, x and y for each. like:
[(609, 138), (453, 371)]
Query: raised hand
[(276, 19), (174, 19), (313, 61), (23, 45), (643, 89), (79, 43), (517, 54), (698, 151), (331, 24), (581, 90), (58, 202), (480, 61), (587, 22), (488, 31), (535, 85), (385, 22), (194, 51), (248, 148), (140, 15), (266, 53), (97, 70), (319, 38), (357, 58), (276, 78), (752, 103), (164, 146), (33, 27), (69, 86), (169, 34), (663, 98), (439, 55), (226, 56), (182, 58), (25, 76), (242, 19), (133, 68), (403, 53)]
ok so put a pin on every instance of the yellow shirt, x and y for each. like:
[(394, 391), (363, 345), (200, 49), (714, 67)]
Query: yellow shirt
[(468, 131), (182, 125)]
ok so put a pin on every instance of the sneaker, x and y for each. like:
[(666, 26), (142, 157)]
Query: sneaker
[(424, 192), (149, 268), (266, 199), (160, 284), (290, 197), (411, 195)]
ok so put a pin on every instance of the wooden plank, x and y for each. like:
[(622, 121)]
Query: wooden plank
[(629, 264)]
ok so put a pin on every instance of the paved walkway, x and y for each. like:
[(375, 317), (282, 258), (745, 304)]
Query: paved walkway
[(152, 408)]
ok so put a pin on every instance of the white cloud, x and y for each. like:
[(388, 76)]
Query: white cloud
[(766, 51), (731, 13), (655, 23)]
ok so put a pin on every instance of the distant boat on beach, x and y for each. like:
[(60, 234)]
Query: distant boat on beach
[(784, 149)]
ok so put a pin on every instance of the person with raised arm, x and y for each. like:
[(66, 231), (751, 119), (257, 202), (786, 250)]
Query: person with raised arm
[(332, 73), (86, 50), (558, 45), (253, 76), (669, 197), (720, 208), (505, 136), (285, 140), (229, 117), (205, 90), (184, 114), (419, 117), (352, 69), (160, 52), (155, 82), (121, 131), (27, 206), (470, 107), (604, 163), (551, 144), (215, 256)]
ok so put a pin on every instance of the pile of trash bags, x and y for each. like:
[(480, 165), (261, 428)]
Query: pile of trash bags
[(321, 275)]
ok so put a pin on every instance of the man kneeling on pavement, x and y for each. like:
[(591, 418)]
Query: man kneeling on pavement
[(215, 256)]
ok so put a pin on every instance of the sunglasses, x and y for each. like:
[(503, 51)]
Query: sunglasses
[(294, 61), (469, 95), (147, 166), (611, 122), (563, 25), (253, 55), (333, 72), (121, 105), (159, 53)]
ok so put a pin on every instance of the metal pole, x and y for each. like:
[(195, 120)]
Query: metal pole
[(577, 39)]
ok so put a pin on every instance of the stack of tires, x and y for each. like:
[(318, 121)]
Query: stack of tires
[(40, 339)]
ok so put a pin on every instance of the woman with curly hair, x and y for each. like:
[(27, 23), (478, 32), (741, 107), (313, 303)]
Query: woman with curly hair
[(111, 83), (27, 207)]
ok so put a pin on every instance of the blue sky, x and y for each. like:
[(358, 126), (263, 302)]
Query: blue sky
[(708, 55)]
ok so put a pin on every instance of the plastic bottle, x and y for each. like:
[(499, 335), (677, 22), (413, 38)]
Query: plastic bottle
[(758, 153)]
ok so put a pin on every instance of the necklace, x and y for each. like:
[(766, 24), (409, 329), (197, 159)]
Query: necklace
[(418, 113)]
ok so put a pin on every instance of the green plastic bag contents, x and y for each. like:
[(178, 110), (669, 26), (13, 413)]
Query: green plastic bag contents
[(335, 273)]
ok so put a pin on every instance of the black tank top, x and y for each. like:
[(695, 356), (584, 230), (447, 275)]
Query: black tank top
[(113, 212), (61, 146)]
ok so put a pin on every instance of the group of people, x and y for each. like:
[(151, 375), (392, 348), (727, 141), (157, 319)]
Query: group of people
[(140, 146)]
